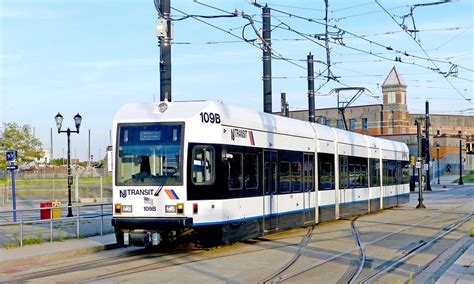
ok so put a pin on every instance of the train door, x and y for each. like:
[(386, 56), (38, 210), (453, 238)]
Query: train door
[(308, 187), (270, 189)]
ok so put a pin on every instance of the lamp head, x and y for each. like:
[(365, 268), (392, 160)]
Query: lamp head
[(59, 120), (77, 121)]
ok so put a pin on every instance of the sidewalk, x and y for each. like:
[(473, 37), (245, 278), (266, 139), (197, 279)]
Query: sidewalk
[(446, 183), (462, 271), (34, 254)]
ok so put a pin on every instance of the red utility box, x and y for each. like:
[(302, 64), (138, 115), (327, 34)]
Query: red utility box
[(45, 213)]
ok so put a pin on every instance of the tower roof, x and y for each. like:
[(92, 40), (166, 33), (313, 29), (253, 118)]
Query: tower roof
[(393, 78)]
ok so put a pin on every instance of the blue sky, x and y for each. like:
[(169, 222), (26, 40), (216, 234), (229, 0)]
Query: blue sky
[(93, 56)]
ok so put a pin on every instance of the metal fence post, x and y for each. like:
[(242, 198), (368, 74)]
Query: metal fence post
[(51, 225), (101, 187), (78, 221), (21, 228), (102, 219), (77, 188)]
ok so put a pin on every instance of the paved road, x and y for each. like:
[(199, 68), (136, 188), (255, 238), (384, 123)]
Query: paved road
[(329, 255)]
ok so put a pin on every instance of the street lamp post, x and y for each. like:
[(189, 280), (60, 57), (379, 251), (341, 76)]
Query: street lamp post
[(59, 122), (460, 163), (437, 155)]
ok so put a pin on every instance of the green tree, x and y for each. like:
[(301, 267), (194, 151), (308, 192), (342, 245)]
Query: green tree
[(21, 139)]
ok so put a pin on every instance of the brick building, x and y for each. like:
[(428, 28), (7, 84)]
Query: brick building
[(392, 120)]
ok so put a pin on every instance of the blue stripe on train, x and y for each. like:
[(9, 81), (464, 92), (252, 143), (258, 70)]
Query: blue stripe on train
[(405, 195)]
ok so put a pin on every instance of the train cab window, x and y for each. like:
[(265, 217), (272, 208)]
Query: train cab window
[(326, 171), (235, 180), (285, 176), (203, 172), (251, 171), (149, 154)]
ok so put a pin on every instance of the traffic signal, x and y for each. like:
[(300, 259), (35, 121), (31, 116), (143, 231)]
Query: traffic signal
[(423, 146)]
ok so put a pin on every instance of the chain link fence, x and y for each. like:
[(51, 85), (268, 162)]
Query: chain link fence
[(33, 187)]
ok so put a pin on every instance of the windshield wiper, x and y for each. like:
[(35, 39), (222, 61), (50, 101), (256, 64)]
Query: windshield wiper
[(175, 170)]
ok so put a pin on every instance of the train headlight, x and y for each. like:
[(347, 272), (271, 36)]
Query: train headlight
[(170, 208), (127, 208), (180, 208), (118, 208)]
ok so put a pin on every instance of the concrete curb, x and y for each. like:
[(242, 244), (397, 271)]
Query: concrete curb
[(60, 254)]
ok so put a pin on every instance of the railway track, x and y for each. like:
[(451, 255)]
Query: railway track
[(356, 270), (304, 242), (392, 263), (296, 266)]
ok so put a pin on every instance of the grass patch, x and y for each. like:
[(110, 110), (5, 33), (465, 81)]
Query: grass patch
[(27, 241), (469, 178), (58, 181), (471, 232)]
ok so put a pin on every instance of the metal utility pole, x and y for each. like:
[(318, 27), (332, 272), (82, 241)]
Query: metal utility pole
[(164, 34), (428, 147), (418, 165), (89, 148), (310, 88), (283, 105), (437, 154), (267, 60), (51, 139), (460, 163)]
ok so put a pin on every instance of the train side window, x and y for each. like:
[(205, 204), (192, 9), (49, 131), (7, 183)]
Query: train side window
[(203, 172), (235, 180), (343, 172), (285, 177), (406, 172), (326, 174), (296, 177), (363, 174), (251, 171), (374, 172), (352, 176)]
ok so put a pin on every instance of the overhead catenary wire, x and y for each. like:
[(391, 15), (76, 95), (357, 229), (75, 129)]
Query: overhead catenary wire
[(424, 51), (405, 53)]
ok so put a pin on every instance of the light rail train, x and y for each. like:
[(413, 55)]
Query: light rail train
[(221, 173)]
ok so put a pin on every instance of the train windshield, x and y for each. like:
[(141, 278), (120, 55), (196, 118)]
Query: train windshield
[(149, 154)]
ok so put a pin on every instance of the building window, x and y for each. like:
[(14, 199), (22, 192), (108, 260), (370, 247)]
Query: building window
[(328, 122), (364, 124), (351, 124), (391, 97), (339, 124)]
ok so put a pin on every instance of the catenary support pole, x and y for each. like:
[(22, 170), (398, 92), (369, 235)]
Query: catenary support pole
[(165, 53), (267, 60), (428, 146), (420, 160), (461, 182), (310, 88)]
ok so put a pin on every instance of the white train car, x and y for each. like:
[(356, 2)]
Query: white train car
[(224, 173)]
